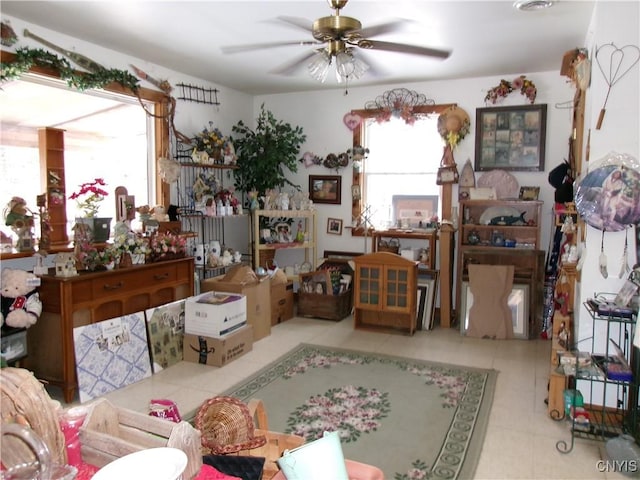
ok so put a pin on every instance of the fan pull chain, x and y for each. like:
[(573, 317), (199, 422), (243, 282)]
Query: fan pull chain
[(603, 259), (624, 268)]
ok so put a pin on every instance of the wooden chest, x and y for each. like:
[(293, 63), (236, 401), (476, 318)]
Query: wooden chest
[(329, 307)]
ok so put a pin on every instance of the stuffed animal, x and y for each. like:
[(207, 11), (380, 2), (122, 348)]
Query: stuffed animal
[(21, 305)]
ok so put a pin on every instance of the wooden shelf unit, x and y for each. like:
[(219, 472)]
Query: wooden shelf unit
[(309, 246), (527, 256)]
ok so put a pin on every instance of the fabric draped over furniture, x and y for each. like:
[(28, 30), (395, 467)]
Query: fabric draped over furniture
[(490, 315)]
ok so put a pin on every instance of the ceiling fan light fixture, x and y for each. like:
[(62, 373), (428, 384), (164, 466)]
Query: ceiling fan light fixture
[(319, 65), (530, 5), (349, 66)]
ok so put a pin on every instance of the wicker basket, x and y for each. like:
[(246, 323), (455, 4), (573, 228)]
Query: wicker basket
[(226, 426), (24, 400), (392, 245)]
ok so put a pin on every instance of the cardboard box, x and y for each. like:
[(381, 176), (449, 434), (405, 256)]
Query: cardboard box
[(215, 314), (258, 296), (281, 302), (217, 352)]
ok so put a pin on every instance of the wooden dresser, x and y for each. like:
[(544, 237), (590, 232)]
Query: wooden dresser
[(92, 297)]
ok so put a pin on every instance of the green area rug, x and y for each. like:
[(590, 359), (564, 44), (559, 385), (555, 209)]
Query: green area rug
[(413, 419)]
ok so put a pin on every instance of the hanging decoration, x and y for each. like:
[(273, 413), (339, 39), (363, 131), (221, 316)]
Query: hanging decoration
[(398, 103), (453, 126), (352, 120), (7, 36), (608, 197), (618, 62), (26, 58), (521, 83), (577, 66)]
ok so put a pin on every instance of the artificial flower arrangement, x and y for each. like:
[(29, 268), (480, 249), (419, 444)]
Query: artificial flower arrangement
[(94, 197), (91, 258), (227, 195), (165, 246), (217, 146), (526, 87), (130, 242)]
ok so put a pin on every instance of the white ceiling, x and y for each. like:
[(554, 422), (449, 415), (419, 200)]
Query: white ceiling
[(486, 37)]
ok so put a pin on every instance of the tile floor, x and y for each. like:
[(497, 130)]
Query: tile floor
[(521, 438)]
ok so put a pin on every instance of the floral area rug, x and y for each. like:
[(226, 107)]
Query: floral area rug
[(413, 419)]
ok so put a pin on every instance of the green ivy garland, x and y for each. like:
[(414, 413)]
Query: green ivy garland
[(27, 58)]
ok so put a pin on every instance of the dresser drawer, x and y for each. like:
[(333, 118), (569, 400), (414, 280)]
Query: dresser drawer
[(128, 281)]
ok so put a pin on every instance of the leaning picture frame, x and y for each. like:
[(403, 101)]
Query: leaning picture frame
[(511, 138), (518, 302), (428, 282), (325, 188)]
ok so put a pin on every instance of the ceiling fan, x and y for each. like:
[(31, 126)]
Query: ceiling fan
[(341, 37)]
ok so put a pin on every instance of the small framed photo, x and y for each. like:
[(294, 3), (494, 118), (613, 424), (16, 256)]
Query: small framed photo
[(325, 188), (356, 193), (334, 226), (529, 193)]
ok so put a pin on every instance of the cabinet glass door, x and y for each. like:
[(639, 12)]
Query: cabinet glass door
[(397, 295), (369, 286)]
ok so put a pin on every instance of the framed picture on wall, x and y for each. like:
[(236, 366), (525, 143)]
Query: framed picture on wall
[(334, 226), (511, 138), (325, 188)]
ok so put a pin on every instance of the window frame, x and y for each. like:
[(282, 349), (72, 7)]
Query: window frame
[(162, 105), (358, 175)]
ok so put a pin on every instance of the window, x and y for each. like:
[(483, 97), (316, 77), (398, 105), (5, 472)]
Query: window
[(403, 160), (111, 137)]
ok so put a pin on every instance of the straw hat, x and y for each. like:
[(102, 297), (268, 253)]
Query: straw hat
[(454, 120), (226, 426)]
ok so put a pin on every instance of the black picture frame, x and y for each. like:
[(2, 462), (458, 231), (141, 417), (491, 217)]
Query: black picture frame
[(511, 138), (325, 189), (334, 226)]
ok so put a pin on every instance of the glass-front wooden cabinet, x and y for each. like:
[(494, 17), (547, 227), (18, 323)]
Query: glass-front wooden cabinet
[(385, 291)]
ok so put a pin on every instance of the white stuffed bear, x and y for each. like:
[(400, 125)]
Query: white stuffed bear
[(21, 305)]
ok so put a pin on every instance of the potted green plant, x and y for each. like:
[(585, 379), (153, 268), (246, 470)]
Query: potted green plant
[(263, 154)]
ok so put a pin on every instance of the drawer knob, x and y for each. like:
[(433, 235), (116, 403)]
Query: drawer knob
[(161, 276), (114, 286)]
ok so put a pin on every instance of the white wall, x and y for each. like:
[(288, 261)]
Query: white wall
[(617, 23), (320, 114)]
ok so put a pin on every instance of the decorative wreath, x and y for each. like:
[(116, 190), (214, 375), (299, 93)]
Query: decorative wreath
[(526, 87)]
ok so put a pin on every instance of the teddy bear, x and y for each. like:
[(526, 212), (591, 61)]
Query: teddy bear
[(21, 305)]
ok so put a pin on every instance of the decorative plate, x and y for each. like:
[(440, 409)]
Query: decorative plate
[(163, 463), (505, 184), (607, 198)]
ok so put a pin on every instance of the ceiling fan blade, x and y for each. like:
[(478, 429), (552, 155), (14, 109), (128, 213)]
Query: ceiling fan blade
[(263, 46), (302, 23), (376, 69), (290, 67), (412, 49), (387, 27)]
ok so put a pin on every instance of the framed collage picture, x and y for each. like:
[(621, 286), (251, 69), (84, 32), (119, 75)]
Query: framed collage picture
[(511, 138)]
